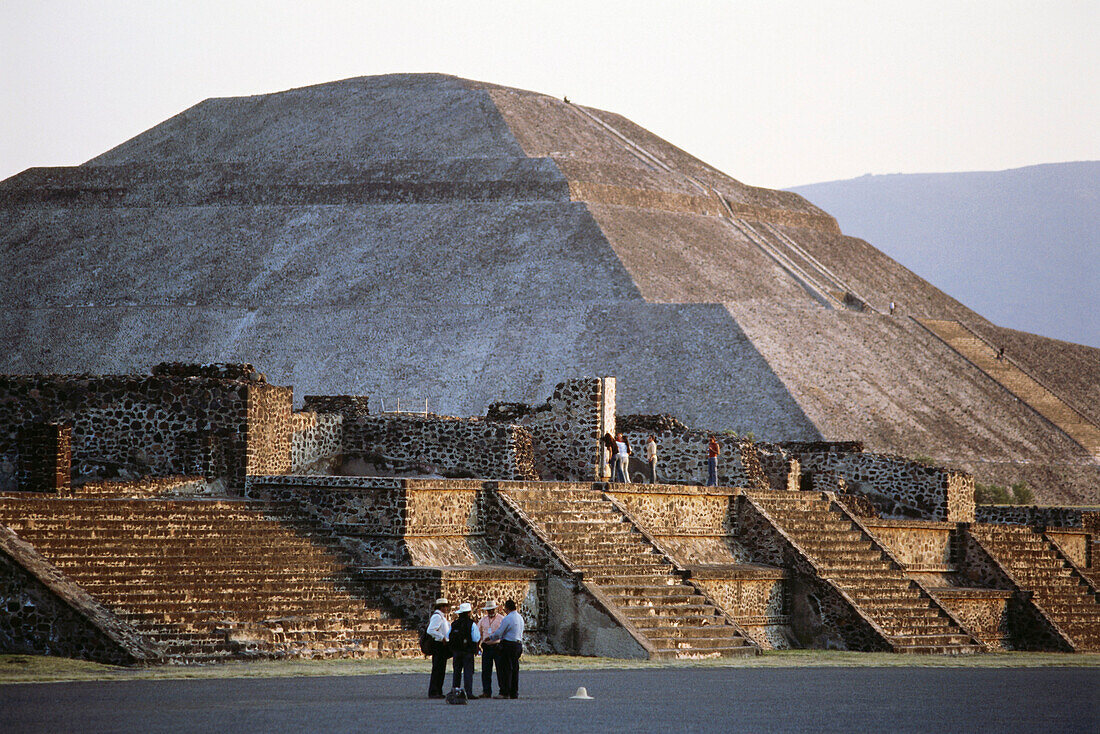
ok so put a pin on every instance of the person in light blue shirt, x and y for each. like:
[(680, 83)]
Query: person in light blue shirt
[(510, 634)]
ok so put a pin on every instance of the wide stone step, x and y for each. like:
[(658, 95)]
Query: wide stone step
[(842, 552), (204, 618), (605, 579), (258, 610), (673, 588), (210, 597), (715, 635), (671, 608)]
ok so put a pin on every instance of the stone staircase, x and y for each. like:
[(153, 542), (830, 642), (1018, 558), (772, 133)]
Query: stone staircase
[(213, 580), (983, 355), (910, 619), (594, 537), (1058, 589)]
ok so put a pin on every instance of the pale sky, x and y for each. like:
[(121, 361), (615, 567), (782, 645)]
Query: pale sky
[(773, 93)]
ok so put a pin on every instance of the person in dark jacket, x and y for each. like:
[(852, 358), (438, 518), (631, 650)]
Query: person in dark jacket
[(464, 645), (609, 445)]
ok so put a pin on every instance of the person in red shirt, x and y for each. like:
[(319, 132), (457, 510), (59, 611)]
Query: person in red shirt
[(713, 449)]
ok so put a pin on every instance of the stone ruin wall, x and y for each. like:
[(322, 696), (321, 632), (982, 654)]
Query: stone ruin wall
[(215, 420), (268, 429), (898, 487), (389, 521), (395, 443), (692, 523), (922, 546), (452, 447), (986, 613), (1033, 515), (682, 455), (44, 462), (757, 598), (316, 441), (566, 429)]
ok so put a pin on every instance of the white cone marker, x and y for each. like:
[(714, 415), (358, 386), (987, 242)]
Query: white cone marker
[(582, 694)]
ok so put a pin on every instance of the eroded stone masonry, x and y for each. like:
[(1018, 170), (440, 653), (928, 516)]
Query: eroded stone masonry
[(134, 505)]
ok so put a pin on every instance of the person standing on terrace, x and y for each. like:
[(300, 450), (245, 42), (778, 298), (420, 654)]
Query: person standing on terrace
[(713, 450), (651, 457)]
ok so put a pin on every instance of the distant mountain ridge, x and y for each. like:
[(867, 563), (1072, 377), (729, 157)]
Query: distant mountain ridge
[(1021, 246)]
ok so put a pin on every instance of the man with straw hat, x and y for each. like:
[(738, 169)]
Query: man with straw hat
[(439, 629), (490, 649)]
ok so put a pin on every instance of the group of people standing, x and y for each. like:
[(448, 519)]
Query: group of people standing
[(618, 451), (498, 638)]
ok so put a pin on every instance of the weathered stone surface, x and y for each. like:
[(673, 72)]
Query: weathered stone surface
[(176, 422)]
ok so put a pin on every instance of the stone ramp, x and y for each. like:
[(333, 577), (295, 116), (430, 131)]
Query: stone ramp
[(1059, 590), (1017, 381), (214, 580), (674, 617), (910, 619)]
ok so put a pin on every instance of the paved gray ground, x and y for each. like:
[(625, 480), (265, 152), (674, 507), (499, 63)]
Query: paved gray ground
[(791, 700)]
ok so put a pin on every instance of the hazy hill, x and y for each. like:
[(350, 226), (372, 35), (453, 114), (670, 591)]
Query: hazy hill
[(1021, 247)]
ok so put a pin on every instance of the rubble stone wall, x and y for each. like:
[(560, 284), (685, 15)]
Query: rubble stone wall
[(565, 430), (1029, 629), (694, 524), (682, 457), (1075, 544), (757, 598), (268, 426), (45, 458), (389, 521), (179, 420), (899, 488), (414, 591), (917, 545), (314, 438), (1061, 517), (453, 447), (820, 617), (984, 612)]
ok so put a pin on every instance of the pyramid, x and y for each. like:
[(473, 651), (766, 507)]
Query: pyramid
[(420, 237)]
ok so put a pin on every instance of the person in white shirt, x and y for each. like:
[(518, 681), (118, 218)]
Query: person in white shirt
[(439, 629), (510, 634), (622, 459), (651, 457)]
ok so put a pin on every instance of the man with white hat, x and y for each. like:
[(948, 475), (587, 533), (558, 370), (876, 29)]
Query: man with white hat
[(439, 629), (464, 643), (490, 649)]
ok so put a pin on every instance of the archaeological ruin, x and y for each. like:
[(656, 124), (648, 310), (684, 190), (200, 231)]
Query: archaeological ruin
[(454, 291)]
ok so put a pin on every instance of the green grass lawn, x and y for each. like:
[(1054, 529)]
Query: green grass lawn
[(38, 669)]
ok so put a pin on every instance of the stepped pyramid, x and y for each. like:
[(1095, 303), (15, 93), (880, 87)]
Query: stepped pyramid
[(427, 237)]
